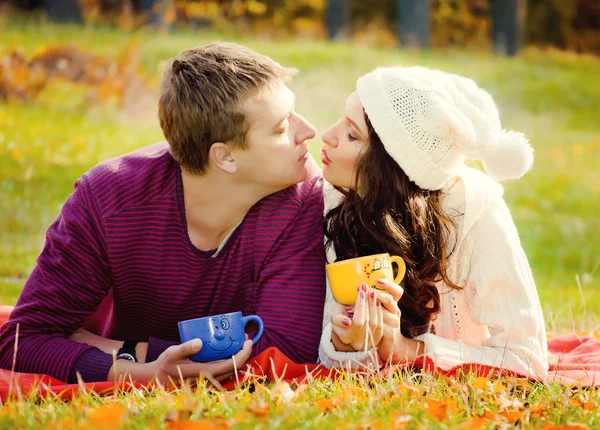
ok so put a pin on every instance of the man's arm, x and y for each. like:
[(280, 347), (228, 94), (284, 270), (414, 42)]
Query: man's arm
[(290, 292), (71, 278)]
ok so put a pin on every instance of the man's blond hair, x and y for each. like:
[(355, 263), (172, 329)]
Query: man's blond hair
[(203, 90)]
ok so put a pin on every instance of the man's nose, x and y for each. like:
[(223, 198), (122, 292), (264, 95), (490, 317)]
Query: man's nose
[(306, 130)]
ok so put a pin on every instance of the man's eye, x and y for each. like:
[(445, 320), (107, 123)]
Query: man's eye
[(224, 324)]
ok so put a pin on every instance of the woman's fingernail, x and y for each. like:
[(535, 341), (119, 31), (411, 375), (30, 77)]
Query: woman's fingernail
[(372, 294), (346, 322), (362, 294), (349, 308), (358, 288), (364, 287), (381, 281), (378, 303)]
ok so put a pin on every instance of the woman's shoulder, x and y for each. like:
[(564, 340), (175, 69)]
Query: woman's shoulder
[(331, 197)]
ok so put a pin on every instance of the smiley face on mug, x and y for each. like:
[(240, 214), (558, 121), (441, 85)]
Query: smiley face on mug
[(223, 341)]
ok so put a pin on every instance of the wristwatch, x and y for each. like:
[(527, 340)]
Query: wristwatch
[(127, 351)]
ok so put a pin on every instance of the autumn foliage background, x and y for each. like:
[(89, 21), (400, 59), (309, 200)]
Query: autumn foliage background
[(74, 95)]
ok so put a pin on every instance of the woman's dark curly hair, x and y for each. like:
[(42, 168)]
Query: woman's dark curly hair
[(395, 216)]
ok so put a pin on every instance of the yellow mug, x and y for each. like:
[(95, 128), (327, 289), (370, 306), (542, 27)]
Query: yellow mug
[(346, 275)]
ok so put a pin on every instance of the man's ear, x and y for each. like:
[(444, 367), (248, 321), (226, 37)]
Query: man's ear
[(220, 156)]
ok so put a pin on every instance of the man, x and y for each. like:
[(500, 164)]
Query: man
[(226, 216)]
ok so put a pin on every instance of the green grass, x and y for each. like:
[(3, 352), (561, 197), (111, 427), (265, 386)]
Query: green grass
[(550, 96)]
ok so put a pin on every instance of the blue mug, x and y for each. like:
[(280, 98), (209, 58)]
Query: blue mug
[(222, 336)]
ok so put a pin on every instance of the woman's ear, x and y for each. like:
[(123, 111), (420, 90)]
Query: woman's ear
[(220, 157)]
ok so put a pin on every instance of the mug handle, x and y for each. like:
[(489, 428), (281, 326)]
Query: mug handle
[(401, 268), (258, 321)]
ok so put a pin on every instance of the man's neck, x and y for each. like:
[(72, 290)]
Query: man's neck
[(215, 205)]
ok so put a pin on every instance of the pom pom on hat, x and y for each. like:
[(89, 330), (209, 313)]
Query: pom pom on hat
[(507, 155)]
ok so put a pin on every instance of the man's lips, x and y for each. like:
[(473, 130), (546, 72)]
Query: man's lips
[(324, 158), (303, 155)]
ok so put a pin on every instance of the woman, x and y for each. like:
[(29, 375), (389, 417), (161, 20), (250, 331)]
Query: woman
[(396, 160)]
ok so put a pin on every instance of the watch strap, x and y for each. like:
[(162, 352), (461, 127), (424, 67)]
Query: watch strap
[(127, 351)]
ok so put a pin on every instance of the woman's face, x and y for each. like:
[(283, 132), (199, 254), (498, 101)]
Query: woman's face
[(343, 143)]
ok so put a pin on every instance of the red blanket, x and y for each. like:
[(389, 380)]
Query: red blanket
[(574, 359)]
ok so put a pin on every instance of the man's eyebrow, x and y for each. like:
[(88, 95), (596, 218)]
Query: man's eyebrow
[(283, 118), (287, 114), (353, 124)]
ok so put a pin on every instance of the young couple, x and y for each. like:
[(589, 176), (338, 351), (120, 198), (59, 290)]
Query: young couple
[(228, 215)]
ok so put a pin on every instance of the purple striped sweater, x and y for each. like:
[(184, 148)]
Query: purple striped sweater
[(119, 262)]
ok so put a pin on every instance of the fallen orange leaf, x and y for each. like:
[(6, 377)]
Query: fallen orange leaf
[(475, 423), (192, 425), (573, 426), (436, 409), (512, 415), (327, 404), (67, 423), (590, 405), (567, 426), (107, 416)]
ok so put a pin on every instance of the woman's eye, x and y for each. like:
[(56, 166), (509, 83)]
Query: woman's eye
[(224, 324), (351, 138)]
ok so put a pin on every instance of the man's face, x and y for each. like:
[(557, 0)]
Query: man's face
[(277, 152)]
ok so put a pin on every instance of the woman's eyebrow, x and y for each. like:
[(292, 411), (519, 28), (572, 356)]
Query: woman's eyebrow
[(353, 124)]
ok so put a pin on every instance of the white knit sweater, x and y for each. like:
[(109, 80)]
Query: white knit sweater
[(497, 318)]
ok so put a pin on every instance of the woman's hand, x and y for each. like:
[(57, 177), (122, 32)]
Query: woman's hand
[(362, 327), (394, 347)]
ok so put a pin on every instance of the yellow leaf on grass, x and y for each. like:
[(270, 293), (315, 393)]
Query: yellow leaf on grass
[(107, 416), (481, 383)]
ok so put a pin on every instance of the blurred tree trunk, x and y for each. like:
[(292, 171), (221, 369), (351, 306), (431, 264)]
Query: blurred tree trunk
[(63, 11), (413, 22), (508, 17), (338, 17)]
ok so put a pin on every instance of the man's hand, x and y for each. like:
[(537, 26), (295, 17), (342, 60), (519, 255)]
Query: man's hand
[(173, 365), (108, 345)]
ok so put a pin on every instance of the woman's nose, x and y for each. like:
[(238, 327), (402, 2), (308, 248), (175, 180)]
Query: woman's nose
[(328, 137)]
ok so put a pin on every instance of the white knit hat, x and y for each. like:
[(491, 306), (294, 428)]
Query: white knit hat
[(429, 121)]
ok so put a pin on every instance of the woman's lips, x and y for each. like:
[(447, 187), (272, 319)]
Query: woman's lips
[(324, 158)]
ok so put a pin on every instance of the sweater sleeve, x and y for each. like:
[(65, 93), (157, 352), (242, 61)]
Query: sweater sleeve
[(290, 290), (68, 283), (328, 355), (505, 299)]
